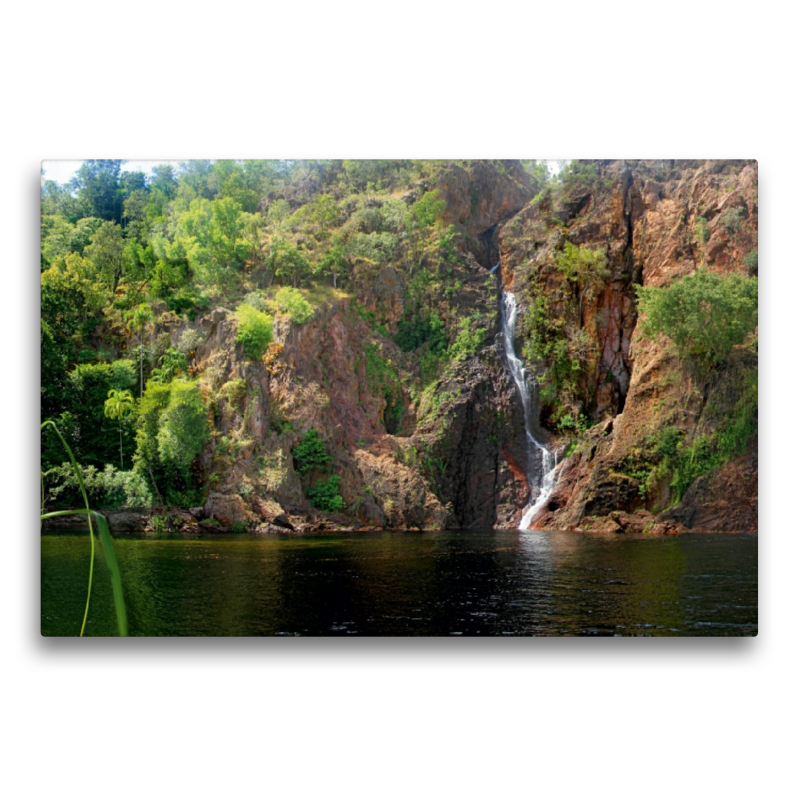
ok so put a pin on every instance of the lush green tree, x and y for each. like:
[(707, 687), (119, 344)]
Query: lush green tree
[(334, 262), (60, 237), (107, 255), (171, 431), (706, 314), (428, 209), (230, 179), (288, 262), (54, 366), (278, 213), (120, 405), (538, 172), (91, 434), (97, 186), (422, 330), (56, 200), (374, 248), (211, 236), (373, 174), (194, 180), (163, 180)]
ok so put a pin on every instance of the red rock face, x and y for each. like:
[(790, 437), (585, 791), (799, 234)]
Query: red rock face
[(660, 222), (481, 195)]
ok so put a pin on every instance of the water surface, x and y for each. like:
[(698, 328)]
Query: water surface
[(486, 583)]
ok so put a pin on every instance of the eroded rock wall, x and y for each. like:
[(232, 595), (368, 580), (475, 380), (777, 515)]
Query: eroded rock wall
[(660, 221)]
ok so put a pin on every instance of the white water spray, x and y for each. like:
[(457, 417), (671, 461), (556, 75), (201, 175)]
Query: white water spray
[(543, 480)]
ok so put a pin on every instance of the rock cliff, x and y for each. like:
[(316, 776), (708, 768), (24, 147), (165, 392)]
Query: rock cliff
[(451, 453)]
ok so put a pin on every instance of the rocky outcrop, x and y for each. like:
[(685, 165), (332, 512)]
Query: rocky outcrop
[(659, 221), (455, 455)]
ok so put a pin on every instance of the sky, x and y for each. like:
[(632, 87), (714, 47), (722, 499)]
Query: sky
[(61, 171)]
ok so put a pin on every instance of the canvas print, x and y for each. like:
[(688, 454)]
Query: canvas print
[(399, 397)]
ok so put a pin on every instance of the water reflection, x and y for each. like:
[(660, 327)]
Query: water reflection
[(430, 584)]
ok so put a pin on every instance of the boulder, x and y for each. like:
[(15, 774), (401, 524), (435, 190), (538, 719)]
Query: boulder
[(283, 521), (126, 521), (227, 509)]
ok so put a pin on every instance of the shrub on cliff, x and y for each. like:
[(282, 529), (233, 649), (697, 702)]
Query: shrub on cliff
[(427, 210), (291, 302), (325, 496), (310, 453), (254, 332), (467, 341), (706, 315)]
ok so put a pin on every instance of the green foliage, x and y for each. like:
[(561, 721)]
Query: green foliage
[(92, 435), (171, 365), (371, 318), (291, 301), (427, 210), (539, 173), (258, 300), (211, 236), (171, 431), (325, 496), (556, 339), (310, 453), (579, 176), (374, 248), (750, 261), (582, 264), (106, 488), (97, 185), (373, 175), (165, 524), (288, 262), (682, 459), (233, 392), (705, 314), (422, 329), (383, 380), (701, 230), (467, 341), (189, 341), (120, 404), (731, 219), (708, 452), (254, 331)]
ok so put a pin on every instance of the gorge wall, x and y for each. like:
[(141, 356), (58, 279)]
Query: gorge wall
[(451, 452)]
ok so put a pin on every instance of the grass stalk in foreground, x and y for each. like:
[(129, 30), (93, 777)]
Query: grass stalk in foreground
[(105, 541)]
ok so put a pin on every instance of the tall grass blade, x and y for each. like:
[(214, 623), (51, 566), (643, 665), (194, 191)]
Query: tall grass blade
[(105, 538)]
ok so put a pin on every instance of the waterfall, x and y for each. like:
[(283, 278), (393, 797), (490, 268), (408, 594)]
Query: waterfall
[(541, 467)]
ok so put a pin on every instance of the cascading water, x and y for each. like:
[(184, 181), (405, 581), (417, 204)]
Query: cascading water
[(541, 472)]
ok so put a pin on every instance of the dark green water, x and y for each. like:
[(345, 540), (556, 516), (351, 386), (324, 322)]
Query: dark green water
[(423, 584)]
